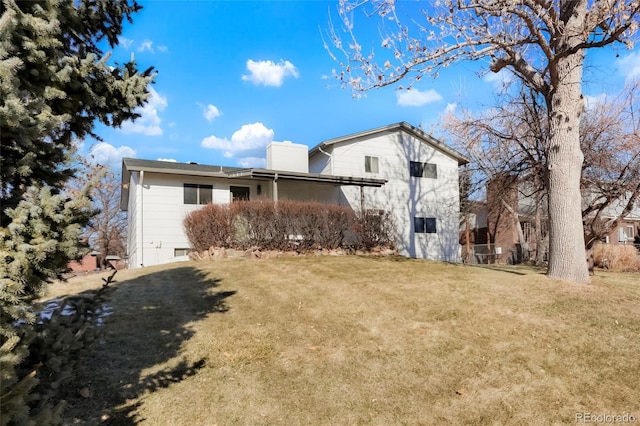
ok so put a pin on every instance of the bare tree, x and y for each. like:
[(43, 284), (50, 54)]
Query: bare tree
[(106, 231), (541, 42), (508, 147), (513, 139), (611, 170)]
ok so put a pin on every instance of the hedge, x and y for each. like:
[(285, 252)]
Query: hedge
[(287, 225)]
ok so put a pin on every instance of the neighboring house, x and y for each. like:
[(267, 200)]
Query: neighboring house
[(90, 262), (396, 168), (94, 261), (515, 226), (628, 230)]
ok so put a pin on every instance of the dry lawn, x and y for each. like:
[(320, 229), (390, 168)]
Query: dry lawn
[(354, 340)]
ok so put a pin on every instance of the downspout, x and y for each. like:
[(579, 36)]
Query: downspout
[(141, 218)]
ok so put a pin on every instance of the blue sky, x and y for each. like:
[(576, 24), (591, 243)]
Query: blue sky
[(236, 75)]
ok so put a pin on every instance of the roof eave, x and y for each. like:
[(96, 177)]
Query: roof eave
[(462, 160), (308, 177)]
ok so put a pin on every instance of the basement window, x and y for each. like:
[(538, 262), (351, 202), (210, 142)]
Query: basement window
[(423, 170), (197, 194), (424, 225), (180, 252)]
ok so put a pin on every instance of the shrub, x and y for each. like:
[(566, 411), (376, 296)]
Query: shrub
[(209, 226), (287, 225), (375, 229), (616, 257), (335, 222), (254, 223)]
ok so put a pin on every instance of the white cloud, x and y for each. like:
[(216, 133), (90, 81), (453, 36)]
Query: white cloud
[(146, 45), (212, 112), (268, 73), (255, 134), (450, 109), (258, 162), (246, 144), (149, 121), (125, 42), (415, 97), (248, 137), (629, 66), (169, 160), (214, 142), (78, 144), (591, 102), (500, 79), (108, 155)]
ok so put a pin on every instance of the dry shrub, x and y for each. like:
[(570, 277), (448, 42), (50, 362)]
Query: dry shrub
[(254, 223), (209, 226), (335, 223), (287, 225), (314, 225), (375, 229), (616, 257)]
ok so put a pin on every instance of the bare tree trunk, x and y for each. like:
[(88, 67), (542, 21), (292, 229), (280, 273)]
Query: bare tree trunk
[(467, 237), (516, 221), (567, 256), (524, 246), (539, 259)]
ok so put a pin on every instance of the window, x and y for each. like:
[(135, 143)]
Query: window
[(239, 193), (424, 225), (621, 235), (180, 252), (371, 164), (630, 233), (425, 170), (197, 194)]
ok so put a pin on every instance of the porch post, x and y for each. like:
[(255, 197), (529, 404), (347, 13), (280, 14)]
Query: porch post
[(361, 199)]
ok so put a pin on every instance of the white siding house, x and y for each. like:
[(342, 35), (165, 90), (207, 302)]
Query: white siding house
[(422, 184), (396, 168)]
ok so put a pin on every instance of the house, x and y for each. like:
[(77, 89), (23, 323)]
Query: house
[(89, 262), (627, 230), (515, 221), (397, 168)]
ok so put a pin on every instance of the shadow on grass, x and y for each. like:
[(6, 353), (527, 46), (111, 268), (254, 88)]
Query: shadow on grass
[(509, 269), (152, 318)]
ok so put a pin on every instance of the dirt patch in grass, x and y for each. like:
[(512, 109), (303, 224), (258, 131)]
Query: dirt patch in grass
[(352, 340)]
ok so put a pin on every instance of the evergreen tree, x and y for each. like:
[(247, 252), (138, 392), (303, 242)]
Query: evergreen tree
[(55, 84), (34, 249)]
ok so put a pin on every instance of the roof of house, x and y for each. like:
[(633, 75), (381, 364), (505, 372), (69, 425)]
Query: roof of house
[(402, 126), (194, 169)]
